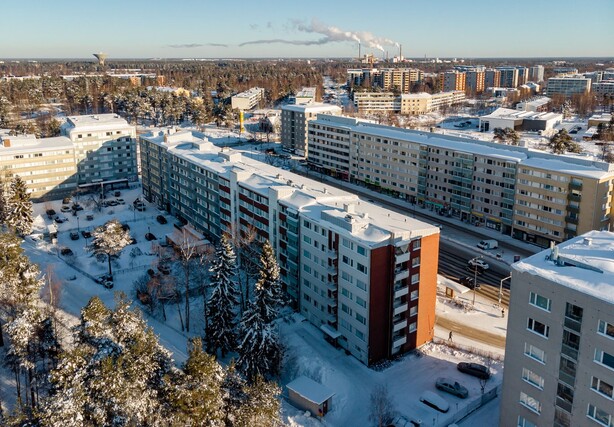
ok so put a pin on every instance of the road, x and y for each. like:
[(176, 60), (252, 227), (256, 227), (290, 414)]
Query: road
[(471, 333)]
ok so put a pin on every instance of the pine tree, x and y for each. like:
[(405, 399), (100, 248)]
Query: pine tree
[(110, 239), (196, 395), (19, 207), (3, 202), (262, 407), (268, 294), (223, 302), (562, 142), (234, 394)]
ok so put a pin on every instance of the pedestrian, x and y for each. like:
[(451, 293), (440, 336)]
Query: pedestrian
[(502, 312), (450, 336)]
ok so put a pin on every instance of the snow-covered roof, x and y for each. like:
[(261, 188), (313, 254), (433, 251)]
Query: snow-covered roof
[(30, 145), (95, 122), (444, 281), (312, 108), (587, 265), (559, 165), (310, 390)]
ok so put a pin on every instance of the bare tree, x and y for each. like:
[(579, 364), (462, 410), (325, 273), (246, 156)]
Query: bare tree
[(483, 381), (382, 409), (248, 251)]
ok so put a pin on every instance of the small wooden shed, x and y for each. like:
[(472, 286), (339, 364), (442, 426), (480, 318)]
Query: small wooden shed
[(306, 394)]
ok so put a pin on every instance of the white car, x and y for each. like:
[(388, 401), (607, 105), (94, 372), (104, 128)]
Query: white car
[(479, 263), (435, 401)]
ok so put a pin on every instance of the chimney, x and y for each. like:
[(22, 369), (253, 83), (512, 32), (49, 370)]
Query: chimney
[(587, 241), (165, 139), (400, 52), (348, 207), (7, 142), (325, 191)]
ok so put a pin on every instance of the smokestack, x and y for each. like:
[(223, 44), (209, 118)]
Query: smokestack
[(359, 52), (400, 52)]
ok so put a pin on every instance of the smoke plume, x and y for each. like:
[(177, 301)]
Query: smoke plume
[(193, 45)]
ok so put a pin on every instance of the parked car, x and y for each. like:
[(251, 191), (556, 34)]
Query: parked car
[(66, 252), (86, 234), (65, 208), (474, 369), (50, 212), (468, 281), (104, 278), (74, 236), (60, 219), (149, 237), (161, 219), (112, 203), (435, 401), (66, 201), (77, 207), (120, 201), (133, 241), (125, 227), (488, 244), (478, 262), (108, 284), (453, 387), (90, 217), (117, 193)]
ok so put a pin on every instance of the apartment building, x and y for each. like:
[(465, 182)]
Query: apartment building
[(509, 76), (105, 147), (47, 165), (559, 356), (536, 73), (294, 120), (306, 95), (475, 81), (389, 79), (532, 195), (568, 86), (413, 103), (452, 80), (603, 88), (492, 78), (248, 99), (355, 270)]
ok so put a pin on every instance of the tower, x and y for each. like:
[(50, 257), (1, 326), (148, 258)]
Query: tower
[(101, 57)]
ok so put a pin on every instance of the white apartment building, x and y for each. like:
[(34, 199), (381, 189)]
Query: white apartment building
[(294, 120), (306, 95), (559, 355), (413, 103), (105, 147), (536, 73), (568, 85), (365, 275), (248, 99), (47, 165), (603, 88)]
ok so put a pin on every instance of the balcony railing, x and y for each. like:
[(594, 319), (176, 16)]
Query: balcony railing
[(572, 324), (573, 209), (401, 324), (571, 219), (575, 186), (401, 274), (402, 257), (574, 197), (398, 341), (570, 352), (400, 291), (400, 308)]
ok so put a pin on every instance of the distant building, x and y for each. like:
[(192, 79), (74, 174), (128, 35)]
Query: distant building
[(603, 88), (492, 78), (475, 81), (526, 120), (559, 355), (567, 86), (413, 103), (509, 76), (597, 119), (248, 99), (306, 95), (539, 104), (536, 73), (294, 120), (452, 80), (565, 70), (398, 79)]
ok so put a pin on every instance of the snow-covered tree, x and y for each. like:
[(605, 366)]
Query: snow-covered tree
[(195, 395), (259, 347), (262, 407), (19, 207), (2, 202), (223, 303), (110, 239), (268, 294)]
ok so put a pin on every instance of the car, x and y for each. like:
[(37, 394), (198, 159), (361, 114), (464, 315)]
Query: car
[(112, 203), (468, 282), (60, 219), (90, 217), (117, 193), (66, 201), (161, 219), (474, 369), (74, 236), (451, 386), (108, 284), (133, 241), (65, 209), (104, 278), (66, 252), (479, 263), (120, 201), (125, 227), (149, 237), (435, 401), (77, 207), (86, 234), (50, 212)]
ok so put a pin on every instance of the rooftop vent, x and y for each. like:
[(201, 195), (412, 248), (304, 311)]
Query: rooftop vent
[(587, 241)]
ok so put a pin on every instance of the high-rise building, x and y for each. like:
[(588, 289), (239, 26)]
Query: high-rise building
[(474, 81), (365, 275), (294, 120), (452, 80), (509, 76), (536, 73), (568, 86), (492, 78), (559, 355)]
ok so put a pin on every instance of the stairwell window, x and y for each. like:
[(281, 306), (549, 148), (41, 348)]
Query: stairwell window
[(540, 301), (538, 327), (530, 402)]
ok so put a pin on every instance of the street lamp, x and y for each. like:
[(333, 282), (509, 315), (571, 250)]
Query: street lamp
[(501, 287), (78, 227), (475, 275)]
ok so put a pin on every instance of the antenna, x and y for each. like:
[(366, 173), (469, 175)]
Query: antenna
[(100, 57)]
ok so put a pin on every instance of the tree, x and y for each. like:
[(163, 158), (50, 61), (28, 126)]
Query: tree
[(187, 250), (2, 202), (224, 300), (262, 406), (268, 293), (507, 135), (381, 409), (110, 239), (19, 207), (562, 142)]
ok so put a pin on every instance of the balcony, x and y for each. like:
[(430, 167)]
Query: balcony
[(398, 341), (569, 352), (570, 231), (402, 258), (571, 219), (567, 378), (574, 197), (572, 324), (563, 404), (332, 254), (573, 209), (401, 324), (400, 291), (400, 308), (401, 274), (575, 186)]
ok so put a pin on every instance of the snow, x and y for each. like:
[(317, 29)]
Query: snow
[(310, 390)]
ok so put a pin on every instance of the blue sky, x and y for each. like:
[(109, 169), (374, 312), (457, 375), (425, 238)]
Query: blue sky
[(314, 28)]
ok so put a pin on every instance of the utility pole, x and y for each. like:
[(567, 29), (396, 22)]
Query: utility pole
[(501, 287)]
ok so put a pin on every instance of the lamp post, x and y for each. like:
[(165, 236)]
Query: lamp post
[(78, 227), (501, 287), (475, 276)]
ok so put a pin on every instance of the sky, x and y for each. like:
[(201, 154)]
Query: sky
[(314, 28)]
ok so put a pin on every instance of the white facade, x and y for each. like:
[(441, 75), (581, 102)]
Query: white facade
[(294, 120), (568, 86), (248, 99)]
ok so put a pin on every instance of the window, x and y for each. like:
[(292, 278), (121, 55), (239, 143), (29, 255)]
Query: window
[(604, 358), (530, 402), (599, 415), (532, 378), (534, 353), (361, 319), (346, 309), (539, 301), (414, 295), (306, 224), (412, 327), (416, 245), (606, 329), (538, 327), (361, 302), (307, 239), (306, 268), (602, 387), (415, 278), (360, 335), (306, 297), (413, 310), (361, 250), (361, 268), (361, 285), (415, 261), (306, 254), (306, 283), (523, 422)]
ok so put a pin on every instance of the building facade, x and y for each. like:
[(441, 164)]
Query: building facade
[(568, 86), (536, 73), (452, 80), (509, 76), (105, 147), (399, 80), (492, 78), (294, 120), (559, 355), (532, 195), (357, 271), (412, 104), (248, 99), (475, 81)]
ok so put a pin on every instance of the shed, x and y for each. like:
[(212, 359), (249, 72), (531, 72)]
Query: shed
[(304, 393), (52, 231), (451, 286)]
